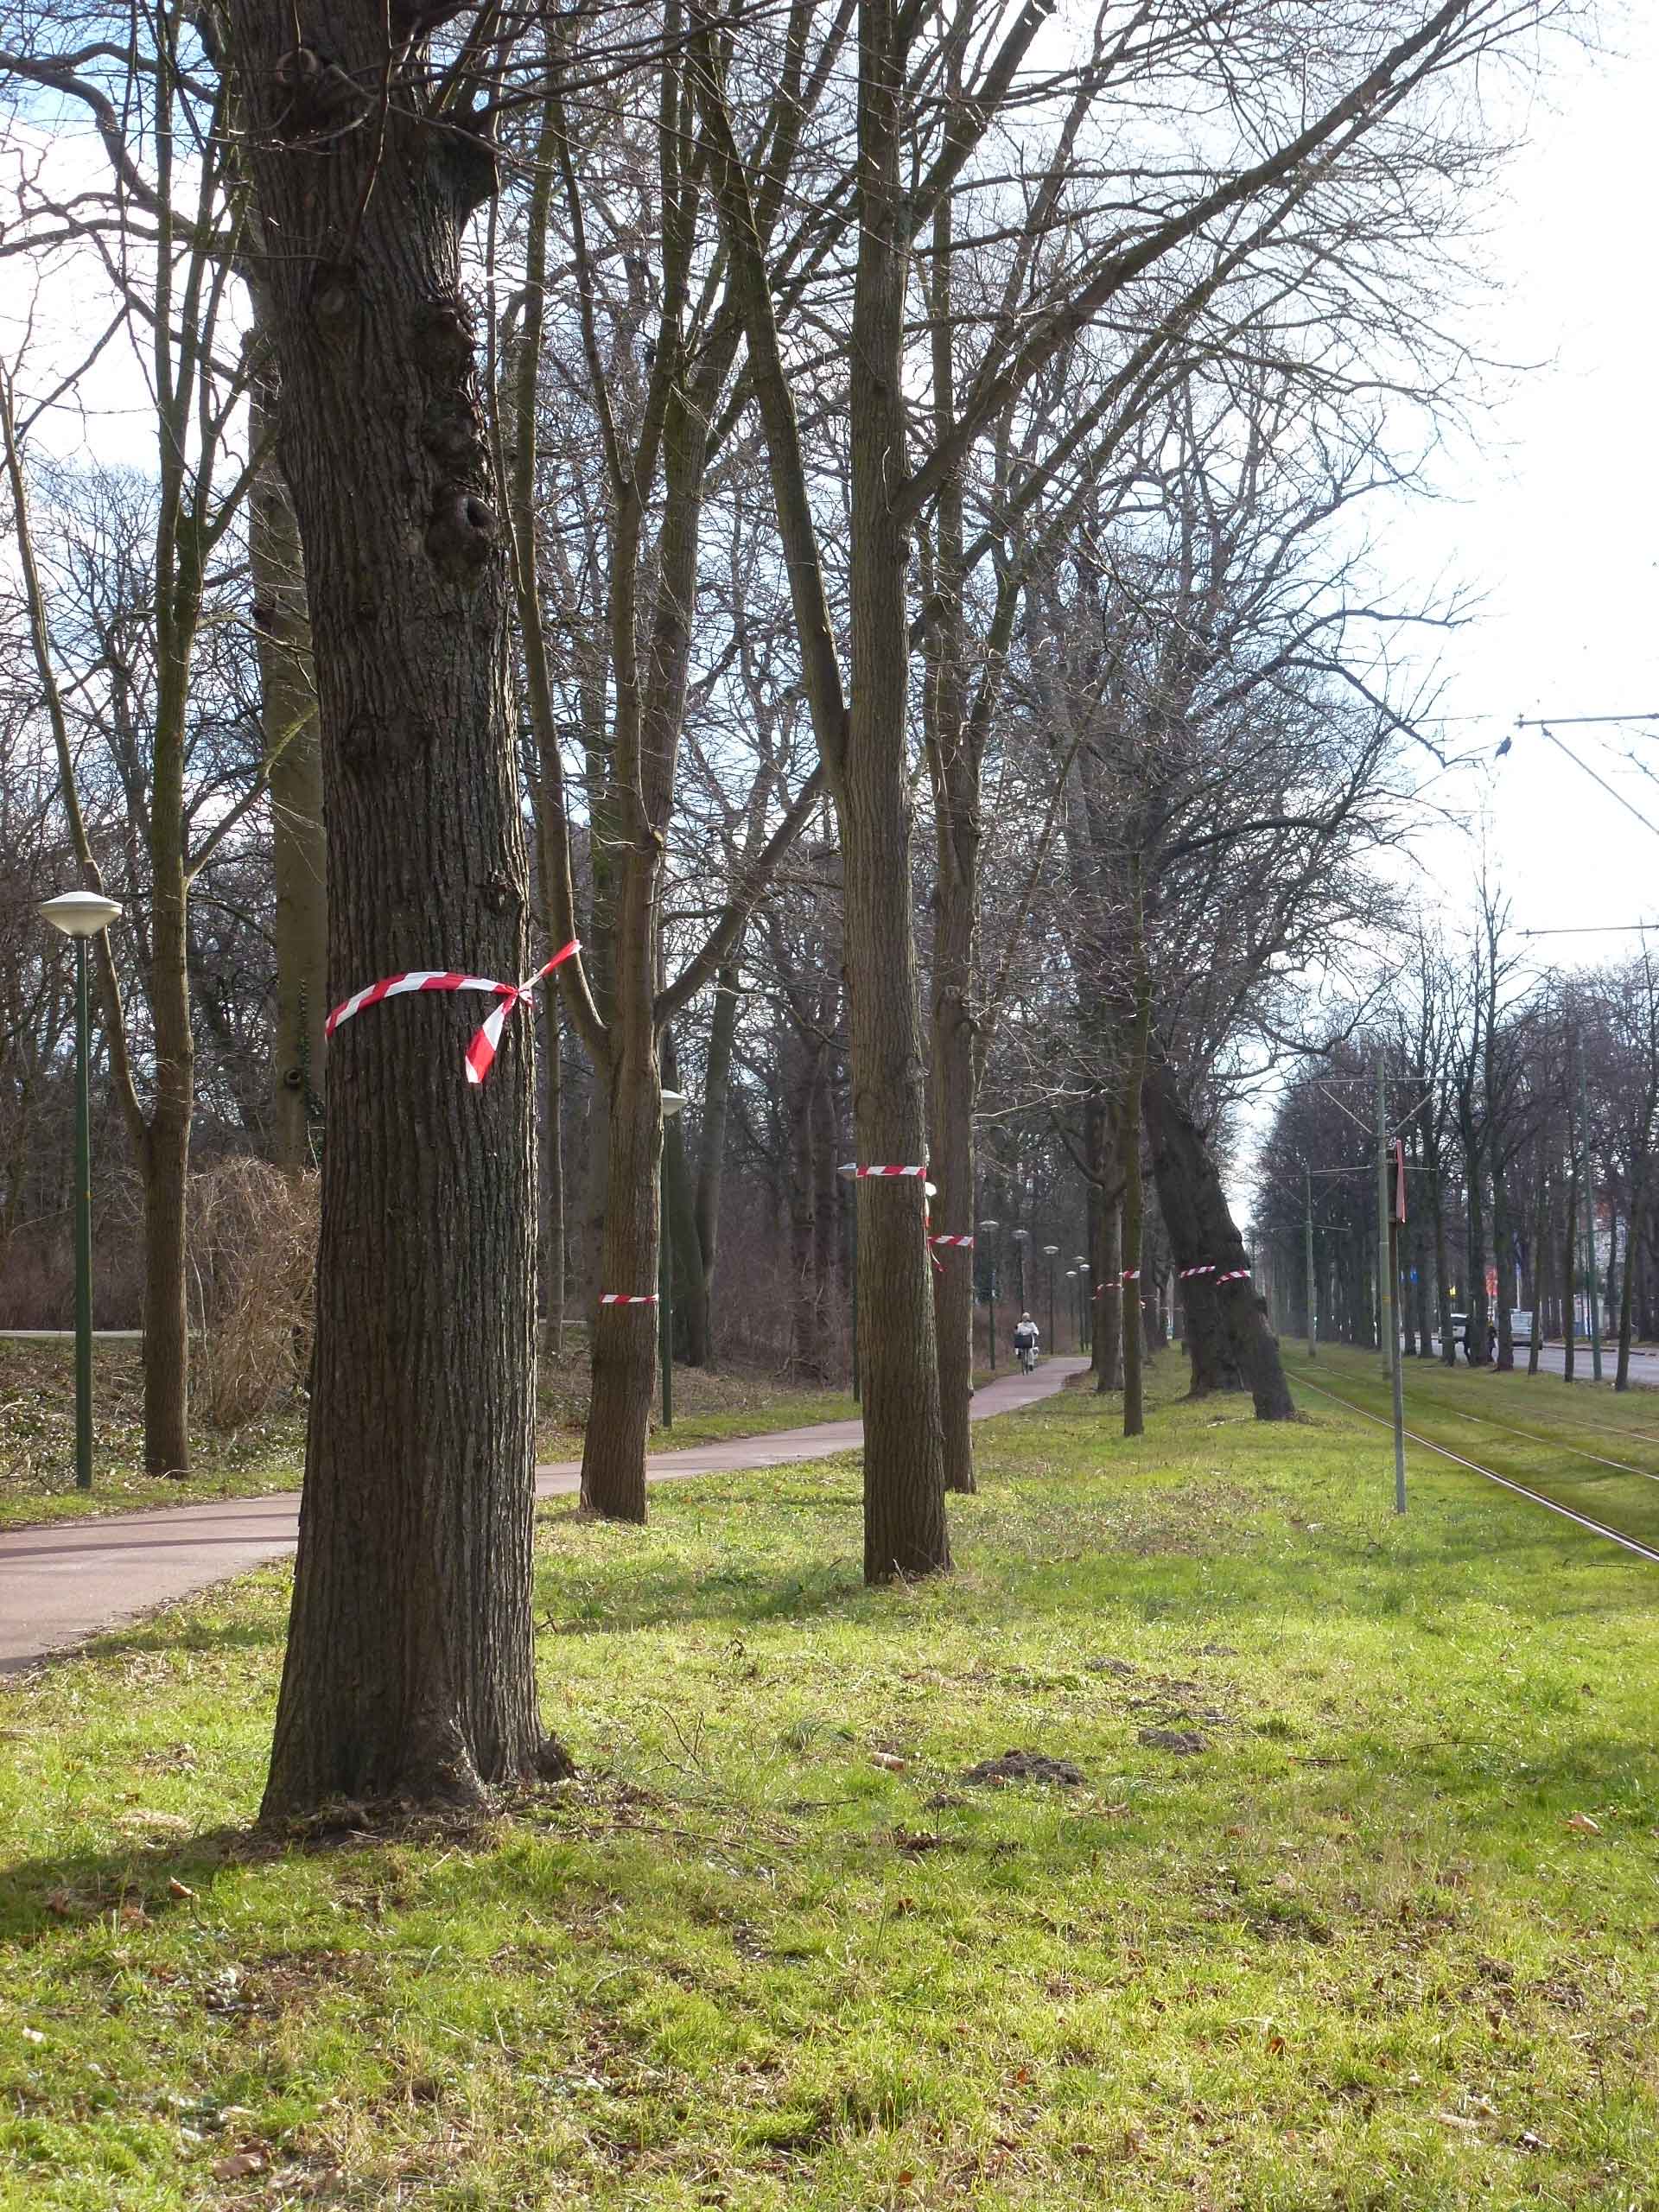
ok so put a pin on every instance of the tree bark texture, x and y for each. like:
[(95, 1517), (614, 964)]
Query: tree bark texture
[(409, 1667), (293, 757), (1229, 1341)]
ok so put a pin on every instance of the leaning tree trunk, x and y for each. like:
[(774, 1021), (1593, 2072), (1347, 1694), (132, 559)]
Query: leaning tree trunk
[(1227, 1329), (409, 1670)]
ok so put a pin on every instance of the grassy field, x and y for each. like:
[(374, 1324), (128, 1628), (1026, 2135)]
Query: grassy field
[(37, 1430), (1350, 1903)]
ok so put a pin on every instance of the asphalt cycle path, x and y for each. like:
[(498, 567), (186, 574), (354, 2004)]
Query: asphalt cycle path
[(70, 1579)]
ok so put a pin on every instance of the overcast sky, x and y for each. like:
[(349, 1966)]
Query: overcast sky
[(1555, 520)]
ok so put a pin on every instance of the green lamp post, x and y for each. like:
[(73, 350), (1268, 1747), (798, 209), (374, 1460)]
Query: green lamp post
[(82, 915), (673, 1102)]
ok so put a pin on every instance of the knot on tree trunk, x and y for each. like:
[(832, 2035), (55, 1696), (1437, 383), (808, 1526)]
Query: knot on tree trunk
[(453, 430), (333, 298), (462, 533), (371, 746), (441, 339), (315, 93)]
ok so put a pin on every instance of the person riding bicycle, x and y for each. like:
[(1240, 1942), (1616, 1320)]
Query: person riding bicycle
[(1024, 1341)]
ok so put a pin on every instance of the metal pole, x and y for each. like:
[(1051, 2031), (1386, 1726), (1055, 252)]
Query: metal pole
[(993, 1313), (1051, 1344), (664, 1289), (1384, 1297), (1589, 1219), (1312, 1322), (1398, 1382), (83, 1231)]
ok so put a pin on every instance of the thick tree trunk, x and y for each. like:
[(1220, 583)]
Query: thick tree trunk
[(409, 1669), (1232, 1346)]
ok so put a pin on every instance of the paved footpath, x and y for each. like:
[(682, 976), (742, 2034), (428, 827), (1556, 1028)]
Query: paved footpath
[(69, 1580)]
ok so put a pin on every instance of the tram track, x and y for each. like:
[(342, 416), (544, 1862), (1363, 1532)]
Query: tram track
[(1584, 1520)]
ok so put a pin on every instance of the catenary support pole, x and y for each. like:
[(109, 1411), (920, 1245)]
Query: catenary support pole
[(1313, 1322)]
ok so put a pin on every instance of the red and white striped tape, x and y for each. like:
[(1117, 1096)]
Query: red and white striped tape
[(627, 1297), (965, 1242), (482, 1051), (1221, 1273), (851, 1168)]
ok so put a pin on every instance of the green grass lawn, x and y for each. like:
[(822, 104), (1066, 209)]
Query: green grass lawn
[(1354, 1904), (37, 1430)]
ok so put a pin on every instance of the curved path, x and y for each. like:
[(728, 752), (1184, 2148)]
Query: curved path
[(70, 1579)]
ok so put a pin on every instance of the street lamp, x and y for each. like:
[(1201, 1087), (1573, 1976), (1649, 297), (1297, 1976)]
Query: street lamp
[(81, 915), (673, 1103), (1051, 1251), (1085, 1308), (1021, 1238), (986, 1228)]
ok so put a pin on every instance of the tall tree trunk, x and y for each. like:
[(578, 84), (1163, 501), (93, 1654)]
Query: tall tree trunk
[(1135, 1076), (409, 1668), (1503, 1253), (689, 1276), (1627, 1280), (554, 1268), (1539, 1261), (906, 1530), (716, 1108), (951, 1157), (1442, 1270), (1232, 1347)]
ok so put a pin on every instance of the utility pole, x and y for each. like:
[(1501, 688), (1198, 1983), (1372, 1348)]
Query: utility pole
[(1312, 1324), (1385, 1329), (1589, 1218)]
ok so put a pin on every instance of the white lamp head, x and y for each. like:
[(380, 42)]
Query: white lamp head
[(673, 1102), (80, 914), (1052, 1250), (989, 1225)]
